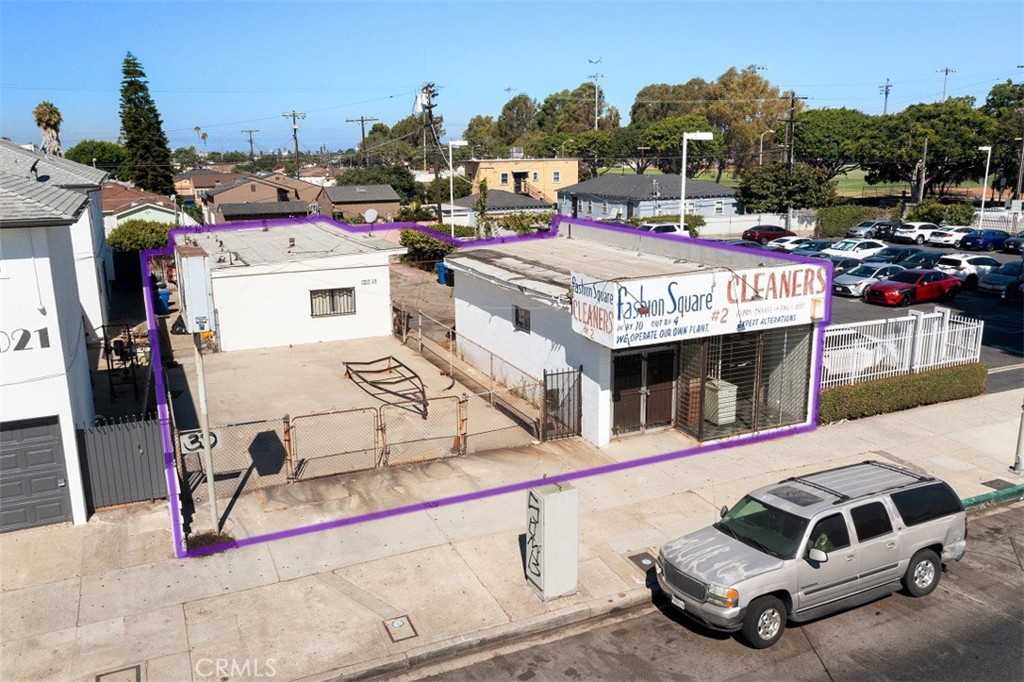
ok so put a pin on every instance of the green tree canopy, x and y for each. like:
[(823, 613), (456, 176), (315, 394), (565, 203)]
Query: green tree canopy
[(661, 100), (138, 235), (1005, 105), (827, 138), (482, 135), (400, 178), (666, 139), (149, 157), (772, 188), (109, 156), (516, 118)]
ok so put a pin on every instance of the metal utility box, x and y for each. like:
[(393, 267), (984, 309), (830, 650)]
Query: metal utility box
[(552, 540), (194, 289)]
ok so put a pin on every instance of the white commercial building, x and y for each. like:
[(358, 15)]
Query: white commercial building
[(715, 341), (45, 389), (295, 283)]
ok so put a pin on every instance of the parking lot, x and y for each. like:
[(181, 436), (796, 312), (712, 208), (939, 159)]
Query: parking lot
[(1003, 341)]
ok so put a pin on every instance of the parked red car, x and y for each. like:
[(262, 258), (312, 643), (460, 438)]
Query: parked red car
[(763, 234), (913, 286)]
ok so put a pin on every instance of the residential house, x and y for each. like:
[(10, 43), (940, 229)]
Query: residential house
[(538, 178), (620, 197), (499, 203), (190, 183), (259, 189), (304, 282), (92, 256), (45, 388), (322, 177), (122, 202), (348, 201)]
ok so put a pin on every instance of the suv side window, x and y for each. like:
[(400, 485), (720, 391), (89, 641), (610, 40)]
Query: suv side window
[(919, 505), (830, 534), (870, 521)]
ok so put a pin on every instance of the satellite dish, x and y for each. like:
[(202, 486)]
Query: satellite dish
[(371, 215)]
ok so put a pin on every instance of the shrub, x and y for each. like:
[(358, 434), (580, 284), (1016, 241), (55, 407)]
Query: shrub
[(959, 214), (423, 250), (138, 235), (834, 221), (928, 211), (894, 394)]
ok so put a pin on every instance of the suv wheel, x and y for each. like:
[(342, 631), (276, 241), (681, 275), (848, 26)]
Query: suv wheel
[(971, 282), (920, 239), (922, 576), (764, 622)]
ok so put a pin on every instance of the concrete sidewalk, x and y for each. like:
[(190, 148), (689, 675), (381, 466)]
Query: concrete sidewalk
[(79, 603)]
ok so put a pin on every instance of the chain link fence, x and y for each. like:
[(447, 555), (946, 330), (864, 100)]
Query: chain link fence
[(337, 442), (414, 432)]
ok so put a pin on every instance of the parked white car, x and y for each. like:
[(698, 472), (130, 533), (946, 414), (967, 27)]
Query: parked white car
[(664, 228), (787, 243), (949, 235), (914, 233), (854, 282), (967, 268), (855, 248)]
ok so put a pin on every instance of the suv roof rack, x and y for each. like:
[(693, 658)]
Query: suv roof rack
[(844, 497), (890, 467), (825, 489)]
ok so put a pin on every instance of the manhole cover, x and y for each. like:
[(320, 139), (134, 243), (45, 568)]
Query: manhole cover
[(129, 674), (998, 484), (400, 628), (645, 561)]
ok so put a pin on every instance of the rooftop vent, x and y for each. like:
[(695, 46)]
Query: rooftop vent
[(291, 242), (515, 153)]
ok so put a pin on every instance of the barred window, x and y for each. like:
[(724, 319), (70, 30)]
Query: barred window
[(522, 319), (326, 302)]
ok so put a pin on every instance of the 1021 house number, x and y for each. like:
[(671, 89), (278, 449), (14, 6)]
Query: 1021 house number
[(24, 339)]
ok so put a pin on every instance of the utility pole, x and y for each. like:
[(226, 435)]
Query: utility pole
[(594, 77), (295, 134), (426, 99), (884, 89), (945, 71), (362, 127), (924, 163), (252, 153), (790, 138)]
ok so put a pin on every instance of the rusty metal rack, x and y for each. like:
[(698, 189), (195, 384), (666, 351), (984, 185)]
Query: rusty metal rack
[(386, 378)]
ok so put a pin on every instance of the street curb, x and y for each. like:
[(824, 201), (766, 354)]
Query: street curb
[(995, 497), (497, 634)]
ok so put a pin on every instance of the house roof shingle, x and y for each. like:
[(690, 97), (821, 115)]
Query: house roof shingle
[(17, 161), (265, 208), (643, 187), (117, 197), (500, 200), (26, 202), (361, 194)]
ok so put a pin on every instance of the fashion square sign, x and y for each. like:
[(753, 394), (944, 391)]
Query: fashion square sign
[(641, 312)]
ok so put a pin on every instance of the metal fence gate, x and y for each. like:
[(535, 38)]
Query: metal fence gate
[(328, 443), (414, 431), (123, 461), (562, 411)]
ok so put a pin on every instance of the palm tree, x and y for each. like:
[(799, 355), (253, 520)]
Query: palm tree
[(204, 136), (49, 119)]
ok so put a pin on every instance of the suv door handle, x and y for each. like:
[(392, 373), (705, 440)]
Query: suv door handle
[(849, 557), (890, 545)]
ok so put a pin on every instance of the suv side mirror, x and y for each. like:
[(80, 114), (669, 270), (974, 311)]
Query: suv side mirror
[(817, 555), (723, 511)]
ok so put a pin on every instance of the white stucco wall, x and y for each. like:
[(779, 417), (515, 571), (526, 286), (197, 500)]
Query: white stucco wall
[(94, 265), (484, 316), (266, 306), (49, 375), (148, 212)]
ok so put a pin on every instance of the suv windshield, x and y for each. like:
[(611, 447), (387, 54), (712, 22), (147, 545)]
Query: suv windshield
[(763, 527)]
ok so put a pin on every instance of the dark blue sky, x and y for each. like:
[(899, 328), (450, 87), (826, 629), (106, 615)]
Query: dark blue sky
[(231, 65)]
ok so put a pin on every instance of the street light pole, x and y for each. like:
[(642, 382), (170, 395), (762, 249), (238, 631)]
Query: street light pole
[(451, 182), (760, 146), (570, 140), (984, 185), (682, 173)]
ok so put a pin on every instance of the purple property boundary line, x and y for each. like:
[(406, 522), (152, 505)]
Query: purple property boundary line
[(180, 550)]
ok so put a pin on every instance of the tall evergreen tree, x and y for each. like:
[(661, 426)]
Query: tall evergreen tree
[(149, 156)]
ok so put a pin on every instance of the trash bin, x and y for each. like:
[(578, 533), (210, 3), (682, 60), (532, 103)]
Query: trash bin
[(163, 301), (441, 273)]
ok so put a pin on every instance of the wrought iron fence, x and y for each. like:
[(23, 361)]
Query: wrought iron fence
[(863, 351)]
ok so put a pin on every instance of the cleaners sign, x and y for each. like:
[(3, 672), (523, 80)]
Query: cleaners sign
[(641, 312)]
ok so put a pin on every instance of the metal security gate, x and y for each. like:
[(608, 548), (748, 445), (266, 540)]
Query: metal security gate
[(562, 411), (33, 478), (643, 389), (123, 461)]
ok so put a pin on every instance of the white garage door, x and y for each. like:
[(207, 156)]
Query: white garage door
[(33, 478)]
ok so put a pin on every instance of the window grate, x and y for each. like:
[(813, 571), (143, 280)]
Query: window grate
[(328, 302)]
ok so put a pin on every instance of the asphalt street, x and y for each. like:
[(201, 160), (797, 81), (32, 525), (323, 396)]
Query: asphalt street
[(970, 628)]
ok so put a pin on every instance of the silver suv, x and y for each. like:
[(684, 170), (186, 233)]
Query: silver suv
[(812, 545)]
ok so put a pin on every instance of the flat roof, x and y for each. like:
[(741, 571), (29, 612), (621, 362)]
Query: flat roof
[(283, 243), (546, 265)]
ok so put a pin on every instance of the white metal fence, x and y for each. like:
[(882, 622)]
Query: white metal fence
[(862, 351)]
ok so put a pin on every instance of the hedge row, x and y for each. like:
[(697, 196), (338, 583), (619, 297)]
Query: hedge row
[(902, 393), (834, 221)]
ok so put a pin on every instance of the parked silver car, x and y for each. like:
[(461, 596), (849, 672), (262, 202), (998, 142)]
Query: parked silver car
[(812, 545), (855, 282)]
